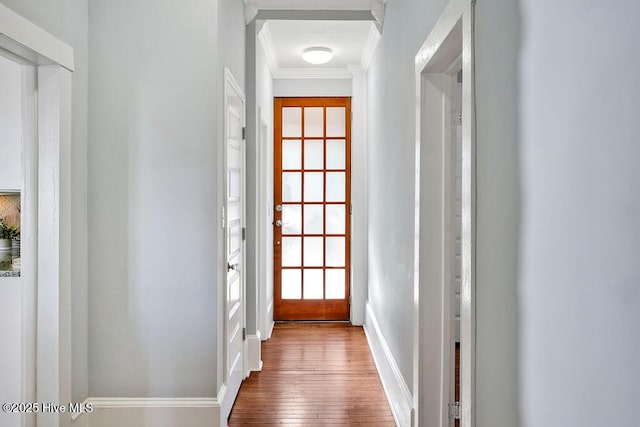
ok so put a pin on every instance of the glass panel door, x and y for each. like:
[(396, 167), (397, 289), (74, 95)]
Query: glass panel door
[(312, 208)]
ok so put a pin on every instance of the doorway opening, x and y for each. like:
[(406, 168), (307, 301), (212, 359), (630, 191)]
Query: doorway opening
[(312, 197), (445, 223), (40, 315)]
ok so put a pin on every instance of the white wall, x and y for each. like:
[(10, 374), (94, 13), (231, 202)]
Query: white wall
[(10, 125), (360, 213), (580, 276), (391, 106), (265, 106), (155, 127), (497, 44), (68, 21), (259, 101), (311, 87), (10, 356), (10, 289)]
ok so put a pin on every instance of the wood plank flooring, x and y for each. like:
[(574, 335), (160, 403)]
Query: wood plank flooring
[(314, 374)]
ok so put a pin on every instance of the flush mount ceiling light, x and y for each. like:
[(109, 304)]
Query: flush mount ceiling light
[(317, 55)]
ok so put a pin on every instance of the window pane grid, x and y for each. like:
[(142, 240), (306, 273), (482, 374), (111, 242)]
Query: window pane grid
[(313, 134)]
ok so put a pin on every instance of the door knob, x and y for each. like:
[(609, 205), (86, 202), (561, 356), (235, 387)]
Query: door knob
[(232, 267), (279, 223)]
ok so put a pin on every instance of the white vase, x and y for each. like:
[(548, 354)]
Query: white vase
[(5, 244)]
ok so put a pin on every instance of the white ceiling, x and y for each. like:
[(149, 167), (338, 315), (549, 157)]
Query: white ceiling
[(352, 43)]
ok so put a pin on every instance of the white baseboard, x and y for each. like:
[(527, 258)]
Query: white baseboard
[(80, 419), (398, 395), (255, 352), (270, 330), (150, 412)]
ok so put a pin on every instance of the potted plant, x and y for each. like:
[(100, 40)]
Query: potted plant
[(14, 233), (6, 235)]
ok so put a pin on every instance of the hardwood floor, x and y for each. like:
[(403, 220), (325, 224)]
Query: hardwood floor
[(314, 373)]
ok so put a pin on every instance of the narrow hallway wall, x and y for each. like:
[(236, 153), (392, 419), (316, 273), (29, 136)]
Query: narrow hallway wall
[(259, 103), (391, 101), (391, 133), (580, 279), (67, 20), (155, 127)]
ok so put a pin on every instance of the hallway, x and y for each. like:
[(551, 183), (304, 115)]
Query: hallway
[(477, 186), (314, 373)]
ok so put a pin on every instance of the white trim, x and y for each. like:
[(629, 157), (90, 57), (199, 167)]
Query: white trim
[(29, 236), (255, 354), (229, 398), (356, 70), (373, 39), (378, 9), (250, 10), (359, 193), (24, 38), (46, 345), (273, 325), (53, 325), (394, 385), (264, 36), (312, 73), (314, 5), (76, 415), (149, 412), (153, 402), (468, 273), (224, 399), (451, 37), (264, 214)]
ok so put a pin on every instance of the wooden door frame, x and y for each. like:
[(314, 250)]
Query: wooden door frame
[(47, 66), (279, 103), (450, 41)]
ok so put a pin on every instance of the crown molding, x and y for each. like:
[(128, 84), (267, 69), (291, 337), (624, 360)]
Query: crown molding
[(264, 36), (355, 70), (250, 10), (313, 5), (347, 72), (378, 8), (370, 47), (312, 73)]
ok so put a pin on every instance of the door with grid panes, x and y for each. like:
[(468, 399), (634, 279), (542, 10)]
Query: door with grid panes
[(312, 200)]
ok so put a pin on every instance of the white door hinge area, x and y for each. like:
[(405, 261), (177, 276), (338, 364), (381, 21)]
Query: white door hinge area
[(454, 410)]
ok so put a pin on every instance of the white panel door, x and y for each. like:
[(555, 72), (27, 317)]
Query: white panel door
[(234, 240)]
